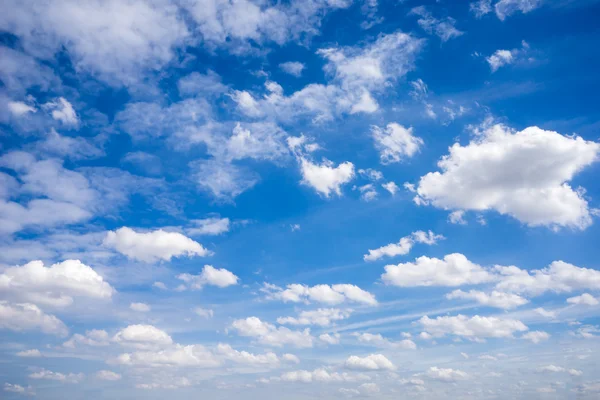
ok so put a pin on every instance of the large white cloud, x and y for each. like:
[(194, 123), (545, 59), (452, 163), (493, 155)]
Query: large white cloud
[(142, 336), (395, 143), (270, 334), (372, 362), (403, 246), (326, 178), (523, 174), (210, 275), (454, 270), (334, 294), (472, 327), (28, 317), (153, 246), (55, 285)]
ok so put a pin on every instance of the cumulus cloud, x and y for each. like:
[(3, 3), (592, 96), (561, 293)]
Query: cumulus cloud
[(320, 375), (320, 317), (330, 338), (510, 172), (379, 341), (28, 317), (140, 307), (506, 8), (446, 374), (454, 270), (105, 375), (443, 28), (57, 376), (29, 353), (372, 362), (584, 299), (326, 178), (271, 335), (334, 294), (142, 336), (14, 388), (395, 142), (501, 57), (153, 246), (536, 336), (209, 226), (172, 356), (472, 327), (219, 277), (494, 299), (391, 187), (94, 337), (244, 357), (404, 246), (293, 68), (63, 111), (55, 285)]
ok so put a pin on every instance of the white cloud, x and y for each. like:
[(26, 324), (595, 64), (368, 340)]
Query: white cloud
[(446, 374), (319, 375), (142, 336), (536, 336), (494, 299), (334, 294), (505, 8), (270, 335), (55, 285), (454, 270), (473, 327), (63, 111), (443, 28), (499, 59), (585, 299), (196, 84), (29, 353), (380, 341), (365, 104), (509, 172), (330, 338), (27, 317), (223, 180), (554, 368), (290, 358), (395, 142), (457, 217), (481, 7), (172, 356), (219, 277), (94, 337), (74, 148), (367, 192), (391, 187), (545, 313), (293, 68), (57, 376), (14, 388), (404, 246), (243, 357), (140, 307), (209, 226), (320, 317), (372, 362), (326, 178), (19, 108), (558, 277), (153, 246), (108, 375), (203, 312)]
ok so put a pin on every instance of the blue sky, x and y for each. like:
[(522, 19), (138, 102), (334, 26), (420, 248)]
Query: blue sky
[(338, 199)]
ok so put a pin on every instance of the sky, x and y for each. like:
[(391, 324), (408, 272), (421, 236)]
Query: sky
[(332, 199)]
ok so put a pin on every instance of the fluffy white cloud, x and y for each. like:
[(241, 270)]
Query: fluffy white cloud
[(585, 299), (446, 374), (380, 341), (219, 277), (243, 357), (545, 313), (55, 285), (14, 388), (63, 111), (481, 7), (454, 270), (505, 8), (372, 362), (320, 317), (94, 337), (403, 246), (293, 68), (555, 368), (330, 338), (443, 28), (203, 312), (19, 108), (320, 375), (473, 327), (142, 336), (140, 307), (499, 59), (209, 226), (26, 317), (558, 277), (334, 294), (29, 353), (326, 178), (395, 142), (391, 187), (105, 375), (223, 180), (57, 376), (290, 358), (172, 356), (536, 336), (510, 172), (153, 246), (493, 299), (270, 335)]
